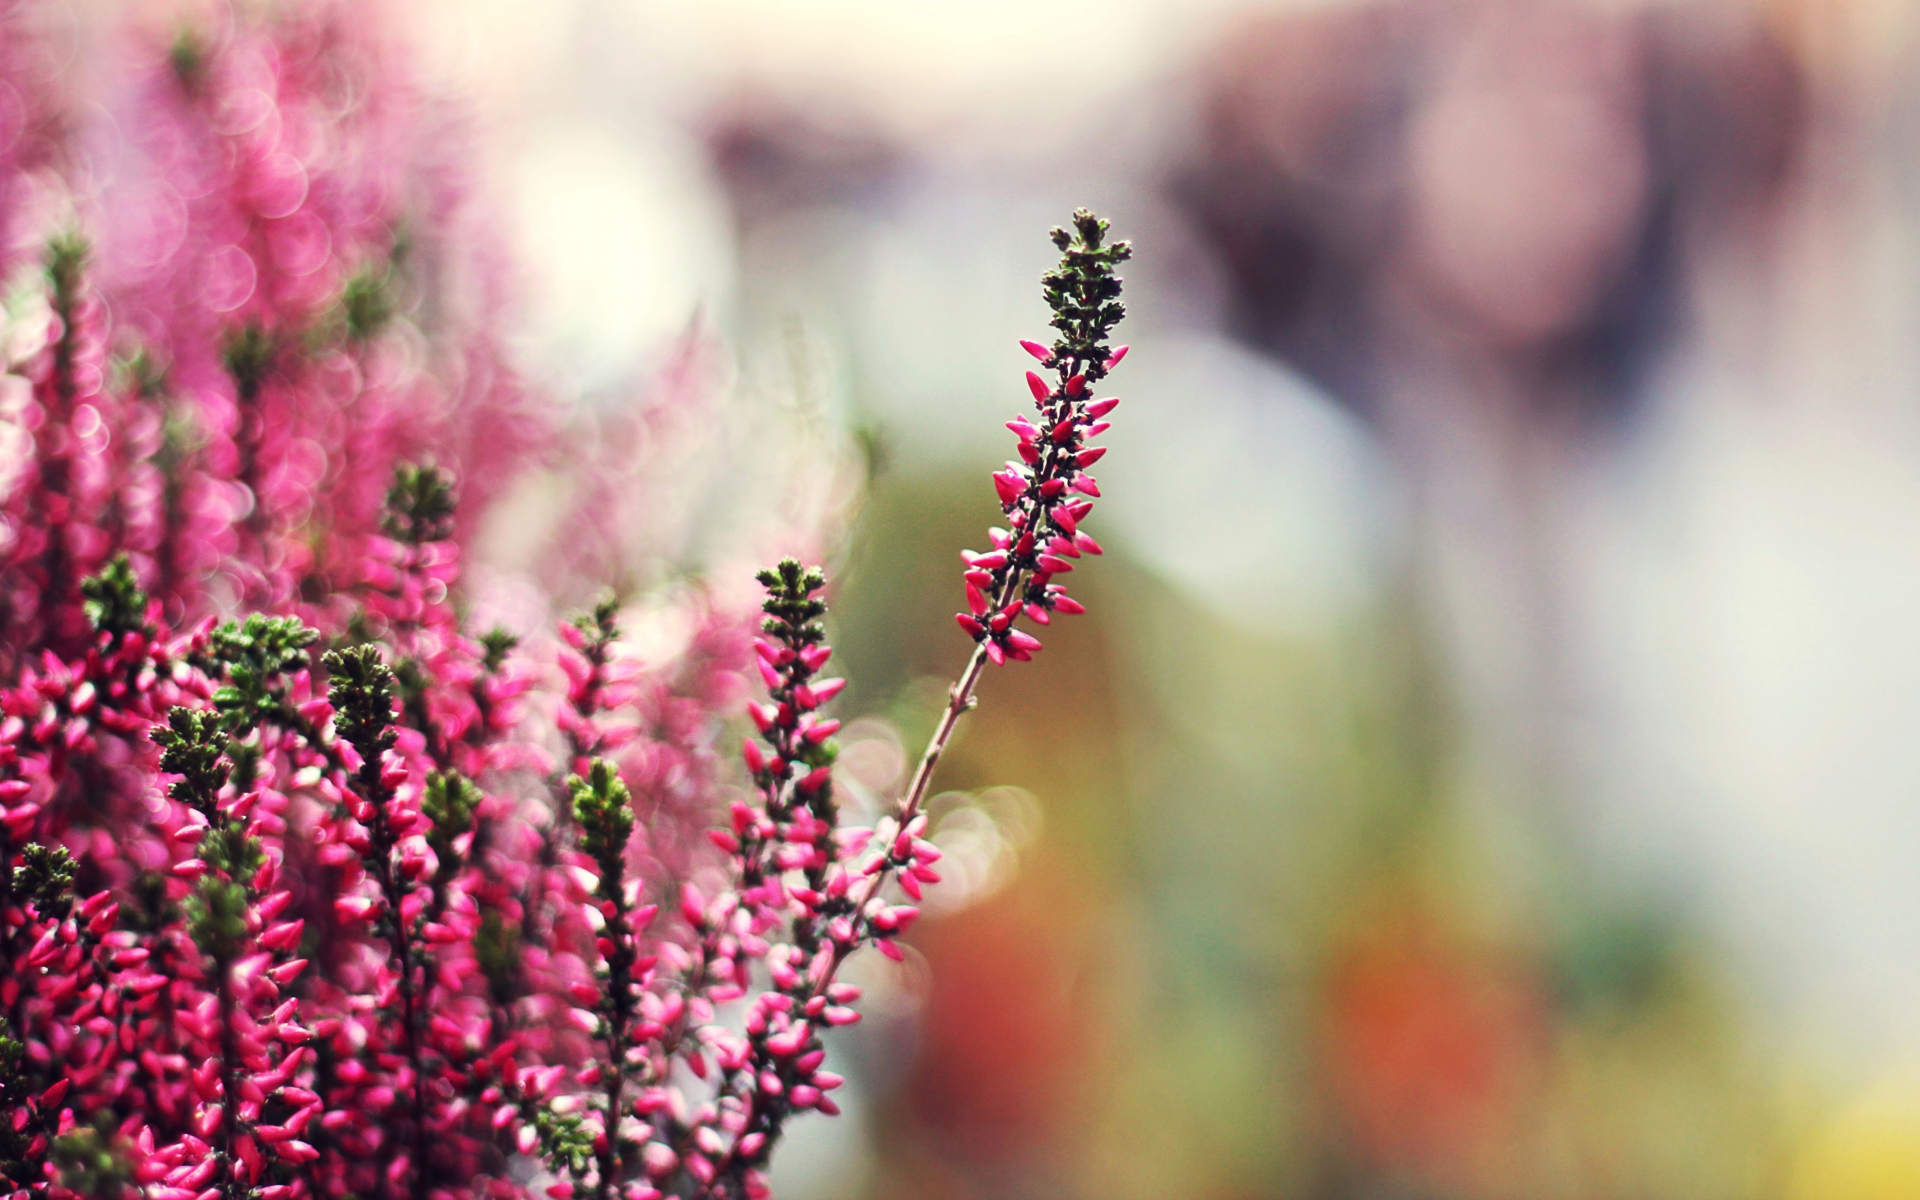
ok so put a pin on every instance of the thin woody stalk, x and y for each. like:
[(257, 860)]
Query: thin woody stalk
[(960, 699), (1016, 578), (774, 1072)]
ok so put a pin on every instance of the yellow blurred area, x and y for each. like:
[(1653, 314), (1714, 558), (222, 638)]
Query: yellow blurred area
[(1868, 1150)]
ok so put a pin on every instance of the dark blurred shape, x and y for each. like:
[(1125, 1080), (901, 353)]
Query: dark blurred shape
[(773, 156), (1522, 176)]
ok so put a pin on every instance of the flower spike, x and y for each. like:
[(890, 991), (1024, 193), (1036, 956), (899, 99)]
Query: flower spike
[(1083, 292)]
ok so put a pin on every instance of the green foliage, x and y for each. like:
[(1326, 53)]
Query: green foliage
[(599, 626), (793, 615), (366, 303), (194, 746), (1084, 292), (420, 505), (228, 848), (188, 58), (113, 601), (449, 803), (89, 1162), (217, 907), (244, 757), (496, 947), (141, 374), (498, 643), (67, 255), (565, 1141), (604, 810), (45, 879), (361, 689), (147, 909), (17, 1164), (253, 655), (248, 355)]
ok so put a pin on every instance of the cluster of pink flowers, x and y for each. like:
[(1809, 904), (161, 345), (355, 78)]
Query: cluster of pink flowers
[(1047, 493), (344, 898), (302, 298)]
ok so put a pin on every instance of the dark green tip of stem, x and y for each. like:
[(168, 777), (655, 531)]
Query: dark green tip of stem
[(420, 504), (67, 255), (449, 802), (366, 303), (144, 374), (248, 355), (600, 625), (603, 808), (498, 643), (112, 599), (188, 57), (790, 606), (360, 687), (45, 876)]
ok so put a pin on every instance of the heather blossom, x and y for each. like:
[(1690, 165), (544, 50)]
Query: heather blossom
[(344, 897)]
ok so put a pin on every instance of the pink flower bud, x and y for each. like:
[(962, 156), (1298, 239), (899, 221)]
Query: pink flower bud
[(355, 908), (659, 1159), (1037, 350), (822, 731), (284, 936)]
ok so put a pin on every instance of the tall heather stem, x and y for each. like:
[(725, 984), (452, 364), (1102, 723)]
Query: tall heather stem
[(361, 691), (603, 809)]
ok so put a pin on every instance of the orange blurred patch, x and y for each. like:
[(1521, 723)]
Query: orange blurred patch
[(1433, 1051), (1006, 1038)]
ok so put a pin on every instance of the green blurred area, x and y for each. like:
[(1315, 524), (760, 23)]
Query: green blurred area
[(1256, 951)]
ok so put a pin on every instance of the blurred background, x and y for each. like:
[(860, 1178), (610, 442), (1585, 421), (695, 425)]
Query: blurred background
[(1491, 766)]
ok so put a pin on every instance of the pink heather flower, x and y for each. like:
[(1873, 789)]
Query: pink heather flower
[(286, 924), (32, 124), (66, 508), (1043, 534), (284, 212)]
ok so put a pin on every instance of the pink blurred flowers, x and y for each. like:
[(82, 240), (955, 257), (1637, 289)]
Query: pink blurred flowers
[(345, 898)]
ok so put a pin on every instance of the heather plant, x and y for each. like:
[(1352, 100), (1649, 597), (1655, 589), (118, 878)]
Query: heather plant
[(312, 889)]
